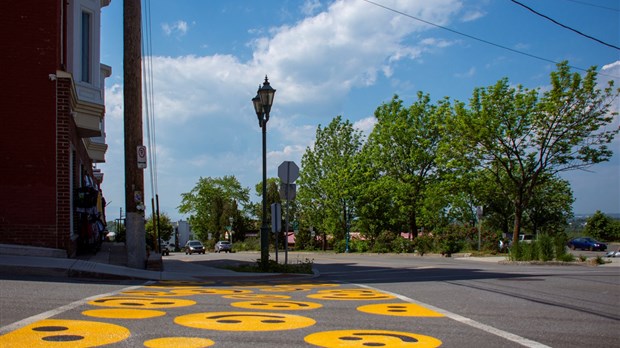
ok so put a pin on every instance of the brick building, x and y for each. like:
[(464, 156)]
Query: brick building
[(52, 123)]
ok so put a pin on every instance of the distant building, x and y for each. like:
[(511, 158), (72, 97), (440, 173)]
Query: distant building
[(53, 129), (182, 233)]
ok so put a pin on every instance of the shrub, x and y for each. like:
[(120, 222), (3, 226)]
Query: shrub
[(304, 267), (516, 252), (450, 239), (559, 245), (402, 245), (423, 244), (566, 257), (530, 251), (545, 247), (380, 248), (359, 245), (249, 244)]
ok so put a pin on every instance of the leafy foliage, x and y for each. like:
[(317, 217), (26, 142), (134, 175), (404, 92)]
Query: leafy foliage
[(522, 137), (601, 226), (211, 203), (328, 178)]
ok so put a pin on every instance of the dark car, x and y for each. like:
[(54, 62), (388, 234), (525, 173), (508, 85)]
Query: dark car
[(223, 246), (165, 249), (586, 243), (194, 246)]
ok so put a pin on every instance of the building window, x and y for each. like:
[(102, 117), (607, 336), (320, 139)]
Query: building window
[(86, 46)]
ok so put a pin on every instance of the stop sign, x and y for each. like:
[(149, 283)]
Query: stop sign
[(288, 172)]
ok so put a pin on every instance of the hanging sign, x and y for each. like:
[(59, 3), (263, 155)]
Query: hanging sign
[(141, 157)]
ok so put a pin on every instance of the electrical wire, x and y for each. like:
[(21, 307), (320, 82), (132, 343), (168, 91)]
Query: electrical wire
[(594, 5), (564, 26), (477, 38), (148, 93)]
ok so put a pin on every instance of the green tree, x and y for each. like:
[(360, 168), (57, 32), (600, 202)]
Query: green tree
[(165, 229), (601, 226), (522, 137), (328, 177), (550, 207), (403, 146), (211, 203)]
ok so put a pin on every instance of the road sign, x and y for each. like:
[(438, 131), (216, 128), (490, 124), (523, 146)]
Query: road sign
[(276, 217), (288, 172), (288, 191), (141, 157)]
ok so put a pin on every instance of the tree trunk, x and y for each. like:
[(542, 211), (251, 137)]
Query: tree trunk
[(517, 225), (413, 225)]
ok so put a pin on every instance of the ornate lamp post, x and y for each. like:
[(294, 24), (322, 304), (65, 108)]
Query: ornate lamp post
[(262, 105)]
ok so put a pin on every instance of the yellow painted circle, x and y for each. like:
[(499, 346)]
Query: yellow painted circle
[(257, 297), (210, 291), (123, 313), (277, 305), (64, 333), (179, 342), (244, 321), (370, 338), (141, 302), (351, 294), (399, 310)]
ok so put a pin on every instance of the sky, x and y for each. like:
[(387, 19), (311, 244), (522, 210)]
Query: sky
[(331, 58)]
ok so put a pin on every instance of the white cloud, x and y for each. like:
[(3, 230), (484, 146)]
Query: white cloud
[(472, 15), (310, 7), (469, 73), (365, 125), (178, 28)]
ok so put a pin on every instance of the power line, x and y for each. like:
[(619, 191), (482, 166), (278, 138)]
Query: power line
[(564, 26), (594, 5), (479, 39)]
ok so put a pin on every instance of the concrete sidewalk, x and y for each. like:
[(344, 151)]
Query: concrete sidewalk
[(105, 264)]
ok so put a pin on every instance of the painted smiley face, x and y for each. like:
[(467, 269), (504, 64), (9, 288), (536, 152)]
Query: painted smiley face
[(141, 302), (244, 321), (399, 310), (370, 338), (351, 294), (277, 305), (64, 333)]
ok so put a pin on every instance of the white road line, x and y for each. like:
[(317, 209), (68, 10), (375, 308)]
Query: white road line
[(467, 321), (19, 324)]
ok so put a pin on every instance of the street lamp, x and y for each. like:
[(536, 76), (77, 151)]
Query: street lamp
[(262, 105)]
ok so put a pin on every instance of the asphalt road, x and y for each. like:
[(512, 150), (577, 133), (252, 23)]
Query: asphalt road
[(354, 301)]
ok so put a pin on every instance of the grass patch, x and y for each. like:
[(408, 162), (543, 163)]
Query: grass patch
[(300, 267)]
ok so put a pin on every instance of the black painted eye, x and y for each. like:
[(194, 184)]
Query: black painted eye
[(63, 338), (50, 328)]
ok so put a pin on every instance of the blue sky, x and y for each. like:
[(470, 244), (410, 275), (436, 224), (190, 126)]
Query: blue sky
[(329, 58)]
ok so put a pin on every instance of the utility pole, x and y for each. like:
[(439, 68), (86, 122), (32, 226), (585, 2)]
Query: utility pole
[(134, 177)]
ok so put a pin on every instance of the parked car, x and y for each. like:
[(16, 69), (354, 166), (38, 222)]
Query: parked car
[(526, 238), (194, 246), (223, 245), (586, 243), (165, 249)]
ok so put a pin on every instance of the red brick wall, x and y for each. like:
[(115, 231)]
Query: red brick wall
[(30, 48)]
